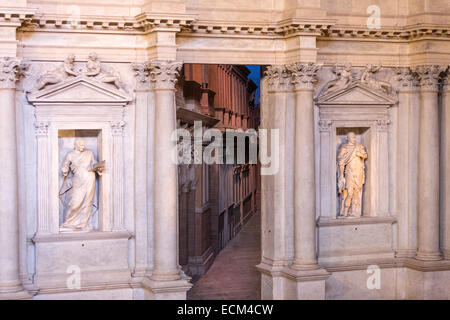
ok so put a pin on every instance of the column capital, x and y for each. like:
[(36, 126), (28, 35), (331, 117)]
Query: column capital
[(325, 125), (117, 127), (382, 125), (163, 74), (278, 77), (304, 75), (142, 74), (11, 68), (429, 76), (446, 80), (41, 128), (406, 79)]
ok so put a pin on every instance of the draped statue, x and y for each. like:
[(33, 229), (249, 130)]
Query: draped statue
[(81, 162), (350, 160)]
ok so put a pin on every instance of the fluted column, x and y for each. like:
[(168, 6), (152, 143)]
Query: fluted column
[(165, 187), (304, 76), (10, 284), (445, 162), (428, 182), (407, 162)]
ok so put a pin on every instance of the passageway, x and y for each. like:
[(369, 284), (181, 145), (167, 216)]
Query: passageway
[(233, 274)]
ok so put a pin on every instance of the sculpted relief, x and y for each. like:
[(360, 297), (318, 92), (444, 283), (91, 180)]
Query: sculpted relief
[(351, 176), (93, 68), (77, 192)]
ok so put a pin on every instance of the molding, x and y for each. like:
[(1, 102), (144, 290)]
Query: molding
[(329, 222), (82, 236)]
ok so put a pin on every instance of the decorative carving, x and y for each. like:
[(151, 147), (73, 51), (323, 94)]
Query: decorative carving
[(163, 74), (343, 80), (350, 161), (446, 80), (10, 71), (368, 79), (278, 77), (93, 68), (41, 128), (325, 125), (406, 79), (382, 125), (429, 76), (304, 75), (142, 72), (82, 164), (59, 74), (117, 128)]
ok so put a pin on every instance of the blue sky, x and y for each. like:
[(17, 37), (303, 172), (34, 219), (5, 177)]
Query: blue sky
[(255, 77)]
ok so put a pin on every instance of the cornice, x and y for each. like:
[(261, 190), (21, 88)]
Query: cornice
[(190, 25), (410, 32)]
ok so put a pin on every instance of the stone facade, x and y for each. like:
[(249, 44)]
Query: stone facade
[(380, 71)]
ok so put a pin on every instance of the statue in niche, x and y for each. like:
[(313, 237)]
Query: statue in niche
[(350, 161), (368, 79), (58, 75), (81, 162), (344, 78)]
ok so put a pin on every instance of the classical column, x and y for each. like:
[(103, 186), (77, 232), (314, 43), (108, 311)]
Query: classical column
[(406, 163), (428, 182), (10, 284), (326, 174), (165, 187), (304, 76), (445, 162)]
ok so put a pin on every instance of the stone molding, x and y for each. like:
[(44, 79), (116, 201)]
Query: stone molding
[(11, 69), (429, 76), (187, 23)]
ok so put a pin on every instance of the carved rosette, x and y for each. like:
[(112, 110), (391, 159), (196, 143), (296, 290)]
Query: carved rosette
[(41, 129), (11, 69), (406, 79), (164, 74), (117, 128), (304, 75), (278, 77), (429, 76)]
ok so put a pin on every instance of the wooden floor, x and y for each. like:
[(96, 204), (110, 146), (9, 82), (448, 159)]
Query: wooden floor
[(233, 275)]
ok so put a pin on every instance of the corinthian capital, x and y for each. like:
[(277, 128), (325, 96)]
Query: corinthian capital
[(11, 69), (429, 76), (304, 75), (278, 77), (163, 74), (406, 79), (142, 73), (446, 80)]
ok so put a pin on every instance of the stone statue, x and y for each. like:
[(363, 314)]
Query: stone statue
[(368, 79), (344, 78), (350, 161), (82, 164), (58, 75), (92, 65)]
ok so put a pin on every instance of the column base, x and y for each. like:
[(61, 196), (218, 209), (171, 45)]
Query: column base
[(165, 290), (278, 282), (405, 253), (447, 254), (428, 256), (14, 291)]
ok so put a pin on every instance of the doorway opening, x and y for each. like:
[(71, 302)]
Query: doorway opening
[(219, 201)]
